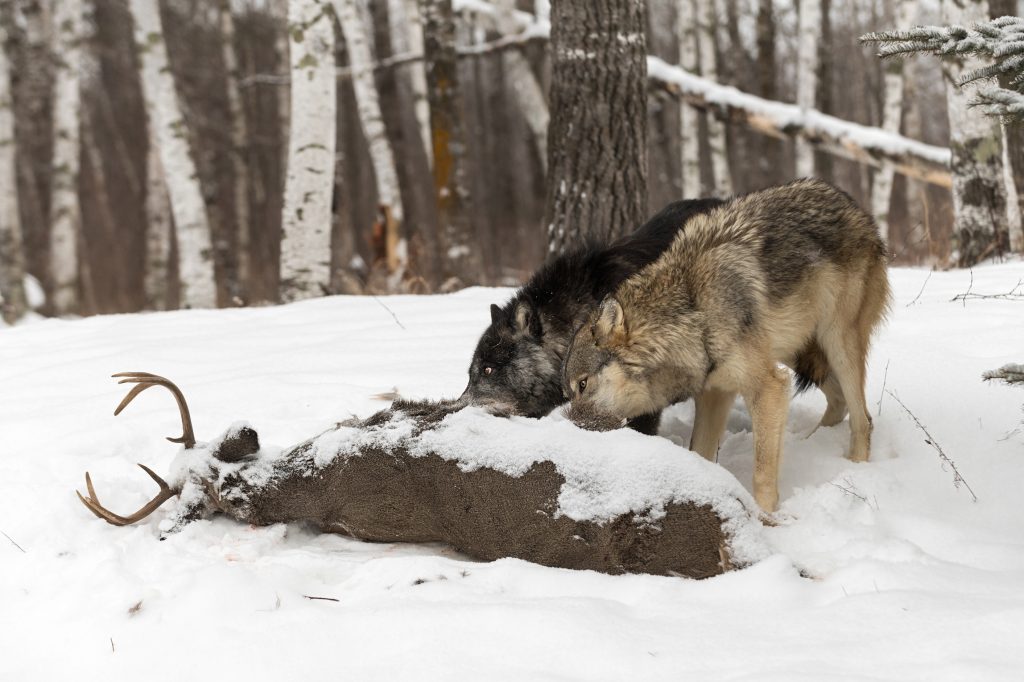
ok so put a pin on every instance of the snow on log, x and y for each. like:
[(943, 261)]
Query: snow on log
[(865, 144), (539, 490)]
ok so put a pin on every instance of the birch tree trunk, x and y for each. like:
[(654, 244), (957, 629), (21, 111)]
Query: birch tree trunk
[(306, 219), (706, 23), (65, 213), (597, 181), (389, 195), (159, 224), (689, 134), (13, 304), (809, 26), (461, 261), (892, 115), (529, 94), (239, 152), (1013, 144), (192, 226), (407, 37), (979, 185)]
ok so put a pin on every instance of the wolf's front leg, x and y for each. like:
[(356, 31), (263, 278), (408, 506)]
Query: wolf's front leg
[(767, 400), (711, 410)]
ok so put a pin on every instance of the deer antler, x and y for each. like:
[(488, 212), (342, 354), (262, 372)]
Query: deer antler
[(142, 381), (93, 501)]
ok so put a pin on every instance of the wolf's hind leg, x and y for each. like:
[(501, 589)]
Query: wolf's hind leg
[(768, 402), (711, 411), (847, 356), (835, 412)]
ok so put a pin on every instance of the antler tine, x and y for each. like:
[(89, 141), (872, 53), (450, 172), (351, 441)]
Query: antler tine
[(92, 502), (144, 380)]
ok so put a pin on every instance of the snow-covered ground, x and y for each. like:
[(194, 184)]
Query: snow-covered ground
[(881, 571)]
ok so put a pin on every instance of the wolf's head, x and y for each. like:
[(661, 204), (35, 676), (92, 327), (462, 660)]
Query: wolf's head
[(604, 388), (513, 370)]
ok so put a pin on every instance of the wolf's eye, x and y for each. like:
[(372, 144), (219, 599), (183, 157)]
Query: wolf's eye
[(583, 385), (488, 371)]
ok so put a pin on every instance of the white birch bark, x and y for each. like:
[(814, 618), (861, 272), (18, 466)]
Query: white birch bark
[(192, 226), (689, 138), (13, 303), (306, 219), (158, 229), (361, 59), (1015, 221), (892, 115), (979, 183), (808, 27), (407, 38), (239, 147), (529, 94), (65, 213), (706, 24)]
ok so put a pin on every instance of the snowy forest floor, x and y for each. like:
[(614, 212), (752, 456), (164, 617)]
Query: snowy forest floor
[(909, 579)]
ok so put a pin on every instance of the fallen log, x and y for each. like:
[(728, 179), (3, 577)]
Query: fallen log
[(539, 490)]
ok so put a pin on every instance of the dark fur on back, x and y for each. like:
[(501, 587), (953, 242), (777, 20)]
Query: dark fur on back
[(524, 345)]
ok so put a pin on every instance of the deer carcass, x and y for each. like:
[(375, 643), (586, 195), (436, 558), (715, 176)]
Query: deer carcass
[(489, 487)]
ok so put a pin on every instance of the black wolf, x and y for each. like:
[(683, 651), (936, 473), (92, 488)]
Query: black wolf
[(516, 367)]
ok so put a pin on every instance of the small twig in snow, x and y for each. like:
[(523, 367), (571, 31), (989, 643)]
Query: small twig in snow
[(957, 478), (14, 543), (849, 489), (112, 650), (311, 598), (1014, 294), (881, 395), (922, 288), (397, 321)]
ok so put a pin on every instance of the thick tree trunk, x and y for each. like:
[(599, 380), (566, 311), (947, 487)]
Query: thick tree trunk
[(306, 220), (13, 303), (770, 150), (689, 133), (979, 185), (389, 195), (239, 154), (706, 24), (284, 98), (65, 214), (407, 38), (597, 179), (892, 115), (192, 225), (809, 27), (461, 261), (1013, 147)]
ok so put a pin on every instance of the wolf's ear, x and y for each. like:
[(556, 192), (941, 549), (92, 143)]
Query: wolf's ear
[(527, 321), (496, 315), (611, 322)]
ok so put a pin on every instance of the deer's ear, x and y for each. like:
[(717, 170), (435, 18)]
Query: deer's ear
[(610, 327), (527, 320), (497, 316)]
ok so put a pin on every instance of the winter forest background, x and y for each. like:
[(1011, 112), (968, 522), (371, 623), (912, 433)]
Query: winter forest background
[(199, 153)]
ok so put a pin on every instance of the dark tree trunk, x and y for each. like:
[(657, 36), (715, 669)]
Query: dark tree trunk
[(770, 150), (823, 160), (597, 159), (1014, 130), (460, 258)]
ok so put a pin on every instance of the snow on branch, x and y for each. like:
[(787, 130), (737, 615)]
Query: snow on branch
[(1000, 41), (1010, 374), (865, 144)]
